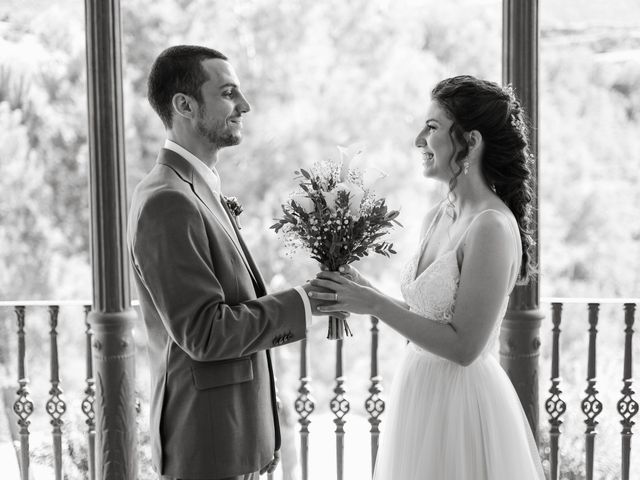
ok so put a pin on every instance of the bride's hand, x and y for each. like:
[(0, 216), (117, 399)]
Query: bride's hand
[(351, 296), (352, 274)]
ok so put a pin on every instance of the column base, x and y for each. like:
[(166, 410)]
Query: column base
[(113, 351)]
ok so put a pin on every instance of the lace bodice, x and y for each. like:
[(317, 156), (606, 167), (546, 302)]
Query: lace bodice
[(432, 293)]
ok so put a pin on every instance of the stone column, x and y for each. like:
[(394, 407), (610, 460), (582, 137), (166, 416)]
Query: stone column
[(520, 334), (111, 318)]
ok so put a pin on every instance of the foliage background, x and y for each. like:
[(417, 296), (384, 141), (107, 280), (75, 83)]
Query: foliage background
[(320, 74)]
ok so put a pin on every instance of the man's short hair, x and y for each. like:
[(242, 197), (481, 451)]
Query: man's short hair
[(178, 69)]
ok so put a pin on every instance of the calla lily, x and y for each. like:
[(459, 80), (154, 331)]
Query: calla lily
[(331, 198), (305, 203), (371, 176), (347, 155)]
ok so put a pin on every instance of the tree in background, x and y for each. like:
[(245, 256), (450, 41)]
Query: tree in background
[(44, 248)]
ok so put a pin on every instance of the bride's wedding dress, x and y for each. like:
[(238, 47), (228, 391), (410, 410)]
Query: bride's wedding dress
[(446, 421)]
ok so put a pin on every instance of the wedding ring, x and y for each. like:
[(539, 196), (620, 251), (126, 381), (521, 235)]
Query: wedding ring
[(335, 297)]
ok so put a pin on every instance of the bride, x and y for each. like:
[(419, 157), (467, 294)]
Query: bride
[(454, 415)]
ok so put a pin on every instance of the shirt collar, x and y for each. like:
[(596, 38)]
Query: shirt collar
[(209, 174)]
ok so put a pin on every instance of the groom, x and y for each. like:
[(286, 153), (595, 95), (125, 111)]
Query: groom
[(209, 320)]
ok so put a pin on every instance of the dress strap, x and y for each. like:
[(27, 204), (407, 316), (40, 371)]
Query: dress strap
[(435, 220), (432, 225)]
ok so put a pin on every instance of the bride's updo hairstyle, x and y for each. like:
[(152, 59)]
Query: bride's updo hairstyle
[(496, 113)]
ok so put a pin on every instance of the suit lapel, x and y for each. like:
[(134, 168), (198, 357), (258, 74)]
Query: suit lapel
[(261, 289), (186, 171)]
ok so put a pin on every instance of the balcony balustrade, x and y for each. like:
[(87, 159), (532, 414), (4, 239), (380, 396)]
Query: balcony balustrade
[(20, 314)]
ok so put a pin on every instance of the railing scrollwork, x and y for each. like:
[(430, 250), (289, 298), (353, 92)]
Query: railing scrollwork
[(304, 406), (55, 406), (340, 406), (374, 404), (627, 406), (554, 405), (591, 405), (23, 406), (89, 396)]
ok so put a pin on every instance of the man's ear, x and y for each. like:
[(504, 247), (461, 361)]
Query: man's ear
[(183, 105)]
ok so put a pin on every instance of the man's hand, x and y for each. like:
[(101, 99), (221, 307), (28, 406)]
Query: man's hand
[(346, 295), (270, 467), (315, 302)]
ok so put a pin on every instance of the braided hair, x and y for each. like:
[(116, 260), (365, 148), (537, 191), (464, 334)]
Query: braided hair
[(496, 113)]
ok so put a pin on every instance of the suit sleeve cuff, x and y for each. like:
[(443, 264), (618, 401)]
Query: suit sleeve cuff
[(307, 306)]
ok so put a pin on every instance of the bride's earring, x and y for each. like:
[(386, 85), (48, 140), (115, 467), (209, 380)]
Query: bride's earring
[(465, 166)]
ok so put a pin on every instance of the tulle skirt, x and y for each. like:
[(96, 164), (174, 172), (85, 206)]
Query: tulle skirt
[(448, 422)]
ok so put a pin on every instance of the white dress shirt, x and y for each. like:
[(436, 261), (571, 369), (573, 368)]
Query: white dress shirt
[(213, 180)]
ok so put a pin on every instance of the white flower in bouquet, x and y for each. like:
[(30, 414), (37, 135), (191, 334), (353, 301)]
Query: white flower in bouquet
[(371, 176), (305, 202), (331, 200)]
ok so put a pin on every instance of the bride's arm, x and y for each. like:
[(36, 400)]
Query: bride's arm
[(355, 276), (489, 263)]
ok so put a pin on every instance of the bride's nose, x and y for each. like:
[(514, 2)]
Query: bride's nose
[(420, 141)]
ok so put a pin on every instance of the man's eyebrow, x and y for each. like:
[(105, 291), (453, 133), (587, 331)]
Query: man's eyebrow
[(227, 85)]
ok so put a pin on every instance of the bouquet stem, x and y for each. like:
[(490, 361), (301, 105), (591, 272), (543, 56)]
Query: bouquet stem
[(338, 329)]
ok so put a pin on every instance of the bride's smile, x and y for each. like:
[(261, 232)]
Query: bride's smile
[(428, 158), (435, 143)]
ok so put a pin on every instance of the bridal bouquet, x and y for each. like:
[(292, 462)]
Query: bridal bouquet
[(337, 218)]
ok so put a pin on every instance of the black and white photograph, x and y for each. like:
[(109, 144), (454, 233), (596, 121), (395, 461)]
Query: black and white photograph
[(317, 240)]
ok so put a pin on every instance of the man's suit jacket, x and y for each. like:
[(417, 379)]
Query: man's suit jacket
[(209, 324)]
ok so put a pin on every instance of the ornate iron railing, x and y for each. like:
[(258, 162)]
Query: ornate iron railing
[(23, 407), (304, 406), (556, 405), (591, 404), (374, 403), (56, 405)]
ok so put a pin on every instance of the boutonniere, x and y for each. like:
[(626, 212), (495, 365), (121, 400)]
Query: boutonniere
[(235, 207)]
